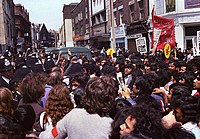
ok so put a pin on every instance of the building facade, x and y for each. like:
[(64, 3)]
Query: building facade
[(23, 28), (137, 24), (7, 25), (81, 24), (66, 37), (100, 24), (186, 14), (46, 39)]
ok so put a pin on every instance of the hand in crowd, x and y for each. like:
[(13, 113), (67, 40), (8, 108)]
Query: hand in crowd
[(126, 92)]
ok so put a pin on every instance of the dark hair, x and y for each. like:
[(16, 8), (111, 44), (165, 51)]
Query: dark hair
[(25, 116), (180, 91), (118, 121), (108, 70), (163, 77), (178, 133), (79, 93), (100, 95), (82, 79), (58, 103), (148, 121), (9, 129), (188, 78), (143, 85), (119, 104), (189, 106), (32, 87)]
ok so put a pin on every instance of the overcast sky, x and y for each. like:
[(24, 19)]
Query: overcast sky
[(48, 12)]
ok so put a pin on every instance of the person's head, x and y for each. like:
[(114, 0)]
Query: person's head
[(179, 91), (100, 95), (183, 67), (78, 80), (79, 93), (58, 103), (119, 65), (25, 116), (119, 104), (172, 66), (6, 68), (103, 61), (6, 101), (118, 122), (108, 70), (128, 69), (32, 87), (128, 126), (186, 109), (144, 121), (148, 121), (141, 86), (55, 77), (147, 68), (197, 81)]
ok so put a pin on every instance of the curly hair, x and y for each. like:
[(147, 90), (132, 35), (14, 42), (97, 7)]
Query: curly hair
[(32, 87), (189, 106), (58, 103), (6, 101), (180, 91), (100, 95), (148, 121)]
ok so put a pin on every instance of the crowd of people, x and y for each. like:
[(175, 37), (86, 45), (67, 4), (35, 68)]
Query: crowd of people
[(120, 96)]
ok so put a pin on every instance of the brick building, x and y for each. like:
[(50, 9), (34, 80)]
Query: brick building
[(81, 24), (66, 31), (23, 27), (7, 25)]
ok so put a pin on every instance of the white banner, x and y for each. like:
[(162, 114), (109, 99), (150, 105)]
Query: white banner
[(194, 44), (156, 37), (141, 45), (198, 43)]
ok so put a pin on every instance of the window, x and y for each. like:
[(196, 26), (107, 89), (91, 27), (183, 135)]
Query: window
[(170, 5), (121, 16), (132, 12), (86, 13), (115, 19)]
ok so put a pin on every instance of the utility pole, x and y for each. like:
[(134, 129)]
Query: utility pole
[(113, 40)]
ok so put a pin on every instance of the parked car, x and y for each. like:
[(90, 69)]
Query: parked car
[(67, 51)]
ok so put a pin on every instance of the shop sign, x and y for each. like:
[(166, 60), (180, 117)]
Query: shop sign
[(134, 36), (119, 32)]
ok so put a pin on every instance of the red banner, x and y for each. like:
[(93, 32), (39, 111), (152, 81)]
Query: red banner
[(163, 32)]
